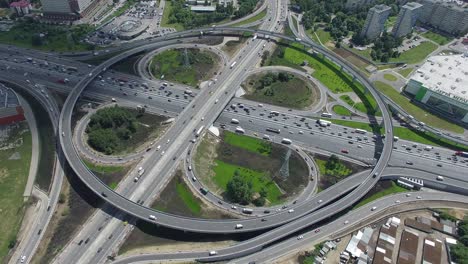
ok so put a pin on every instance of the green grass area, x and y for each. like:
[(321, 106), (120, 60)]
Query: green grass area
[(257, 17), (295, 23), (56, 38), (358, 106), (293, 93), (103, 168), (417, 112), (13, 177), (165, 18), (392, 190), (405, 72), (416, 54), (390, 77), (188, 198), (249, 143), (319, 36), (339, 172), (437, 38), (172, 64), (225, 171), (326, 72), (391, 20), (341, 110)]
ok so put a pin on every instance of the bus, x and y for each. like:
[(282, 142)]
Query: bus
[(360, 131), (324, 123), (274, 130), (327, 115), (199, 131)]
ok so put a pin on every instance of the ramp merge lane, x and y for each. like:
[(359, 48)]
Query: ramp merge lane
[(201, 225)]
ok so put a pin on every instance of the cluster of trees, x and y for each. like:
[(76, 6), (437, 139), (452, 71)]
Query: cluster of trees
[(270, 78), (240, 190), (459, 252), (110, 126), (384, 46), (336, 169), (180, 13)]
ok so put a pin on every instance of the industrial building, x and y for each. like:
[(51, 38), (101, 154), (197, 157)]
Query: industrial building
[(375, 21), (444, 15), (69, 9), (441, 84), (406, 20)]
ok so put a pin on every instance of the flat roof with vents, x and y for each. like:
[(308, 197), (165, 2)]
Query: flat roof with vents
[(446, 75)]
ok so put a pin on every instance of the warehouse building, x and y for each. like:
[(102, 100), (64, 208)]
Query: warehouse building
[(442, 85), (10, 110)]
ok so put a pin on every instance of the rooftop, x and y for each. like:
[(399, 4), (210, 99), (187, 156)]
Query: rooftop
[(446, 75)]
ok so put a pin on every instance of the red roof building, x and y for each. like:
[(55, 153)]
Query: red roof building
[(11, 115)]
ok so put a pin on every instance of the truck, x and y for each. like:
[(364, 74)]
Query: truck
[(234, 121), (247, 211), (462, 154), (199, 131), (239, 226), (233, 64), (255, 36), (274, 130), (324, 123), (286, 141), (212, 253), (359, 131)]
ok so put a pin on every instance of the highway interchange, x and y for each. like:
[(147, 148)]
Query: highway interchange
[(191, 113)]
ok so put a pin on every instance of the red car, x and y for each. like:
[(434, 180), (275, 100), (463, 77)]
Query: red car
[(345, 151)]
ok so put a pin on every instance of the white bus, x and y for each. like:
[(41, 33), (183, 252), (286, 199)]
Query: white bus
[(360, 131), (199, 131)]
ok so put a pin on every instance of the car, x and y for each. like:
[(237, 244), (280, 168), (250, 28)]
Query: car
[(373, 208), (439, 165), (409, 162), (233, 207), (152, 217), (397, 201), (418, 197), (23, 258), (346, 222), (300, 237), (408, 194), (317, 230), (320, 201), (345, 151), (291, 211)]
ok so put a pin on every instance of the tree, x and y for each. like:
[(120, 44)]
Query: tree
[(284, 77), (239, 190), (36, 40)]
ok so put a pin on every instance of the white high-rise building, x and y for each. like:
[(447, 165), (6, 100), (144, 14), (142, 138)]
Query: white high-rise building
[(407, 17), (448, 16), (375, 21)]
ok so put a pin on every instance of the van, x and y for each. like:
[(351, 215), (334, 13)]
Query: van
[(212, 253), (239, 226)]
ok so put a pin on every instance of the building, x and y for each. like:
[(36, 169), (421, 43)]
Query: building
[(441, 84), (359, 244), (21, 8), (432, 251), (386, 242), (408, 247), (375, 21), (203, 9), (69, 9), (444, 15), (406, 19)]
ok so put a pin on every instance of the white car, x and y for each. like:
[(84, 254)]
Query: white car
[(373, 208), (23, 258), (418, 197), (346, 222), (291, 211), (300, 237)]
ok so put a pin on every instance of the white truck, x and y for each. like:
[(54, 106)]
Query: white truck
[(324, 123), (199, 131), (239, 226), (233, 64)]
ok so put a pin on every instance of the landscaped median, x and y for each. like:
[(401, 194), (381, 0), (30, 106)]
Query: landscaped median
[(249, 170)]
